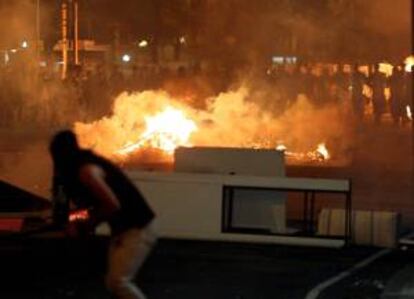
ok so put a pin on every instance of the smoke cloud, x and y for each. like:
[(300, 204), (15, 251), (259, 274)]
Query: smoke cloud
[(18, 23), (351, 31), (231, 119)]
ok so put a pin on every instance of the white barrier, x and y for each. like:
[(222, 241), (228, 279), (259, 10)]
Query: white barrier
[(190, 205)]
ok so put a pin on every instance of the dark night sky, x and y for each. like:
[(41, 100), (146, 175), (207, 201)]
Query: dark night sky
[(97, 18), (254, 24)]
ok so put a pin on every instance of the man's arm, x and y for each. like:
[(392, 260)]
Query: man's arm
[(93, 177)]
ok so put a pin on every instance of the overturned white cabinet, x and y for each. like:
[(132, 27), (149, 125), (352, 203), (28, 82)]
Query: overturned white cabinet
[(251, 208), (229, 195)]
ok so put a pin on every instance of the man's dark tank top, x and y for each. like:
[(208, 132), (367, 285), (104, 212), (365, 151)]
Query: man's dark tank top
[(134, 212)]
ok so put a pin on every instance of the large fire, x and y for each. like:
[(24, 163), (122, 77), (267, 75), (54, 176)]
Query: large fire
[(165, 131), (149, 125)]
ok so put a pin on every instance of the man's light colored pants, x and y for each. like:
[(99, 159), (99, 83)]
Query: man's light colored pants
[(127, 253)]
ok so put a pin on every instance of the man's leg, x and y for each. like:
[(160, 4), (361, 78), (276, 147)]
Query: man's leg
[(127, 253)]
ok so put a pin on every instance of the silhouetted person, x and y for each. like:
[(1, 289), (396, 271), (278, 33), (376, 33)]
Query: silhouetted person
[(334, 79), (397, 94), (378, 82), (290, 79), (344, 83), (283, 83), (303, 81), (358, 101), (92, 182), (322, 88), (408, 91)]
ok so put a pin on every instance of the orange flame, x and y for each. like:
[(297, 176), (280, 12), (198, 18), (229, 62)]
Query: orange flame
[(80, 215), (281, 147), (166, 131), (409, 113), (149, 125), (409, 62), (367, 91), (323, 151), (386, 68)]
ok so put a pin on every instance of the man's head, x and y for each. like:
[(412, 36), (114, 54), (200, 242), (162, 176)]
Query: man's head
[(64, 148)]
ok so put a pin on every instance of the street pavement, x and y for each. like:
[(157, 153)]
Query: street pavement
[(74, 268), (401, 285)]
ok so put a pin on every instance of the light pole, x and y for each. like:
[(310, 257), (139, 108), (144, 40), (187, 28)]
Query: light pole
[(37, 44), (64, 42), (70, 36), (76, 31)]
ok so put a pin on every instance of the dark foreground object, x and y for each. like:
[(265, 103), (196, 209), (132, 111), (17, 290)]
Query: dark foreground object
[(16, 200), (63, 268)]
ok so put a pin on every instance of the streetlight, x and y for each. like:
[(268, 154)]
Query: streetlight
[(126, 58), (143, 43)]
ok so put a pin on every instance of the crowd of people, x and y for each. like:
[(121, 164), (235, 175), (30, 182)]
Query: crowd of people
[(41, 98), (372, 91)]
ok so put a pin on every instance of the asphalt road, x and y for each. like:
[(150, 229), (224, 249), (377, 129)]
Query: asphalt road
[(62, 268)]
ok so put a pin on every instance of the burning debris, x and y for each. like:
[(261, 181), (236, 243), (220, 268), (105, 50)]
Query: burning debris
[(165, 131), (148, 126), (320, 154)]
